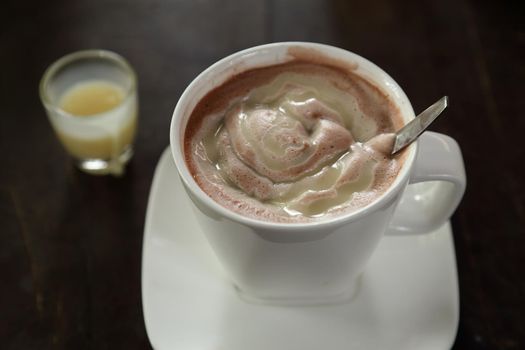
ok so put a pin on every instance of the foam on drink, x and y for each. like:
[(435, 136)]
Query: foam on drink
[(293, 142)]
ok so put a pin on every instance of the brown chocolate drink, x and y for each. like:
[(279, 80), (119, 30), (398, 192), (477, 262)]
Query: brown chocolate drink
[(294, 142)]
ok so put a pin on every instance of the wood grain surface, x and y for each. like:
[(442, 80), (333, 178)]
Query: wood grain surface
[(70, 243)]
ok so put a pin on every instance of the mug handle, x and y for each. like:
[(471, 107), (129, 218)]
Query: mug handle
[(437, 184)]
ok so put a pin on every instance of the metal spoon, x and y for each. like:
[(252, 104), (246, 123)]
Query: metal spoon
[(410, 132)]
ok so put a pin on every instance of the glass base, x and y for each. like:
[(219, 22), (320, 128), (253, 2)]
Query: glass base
[(113, 167)]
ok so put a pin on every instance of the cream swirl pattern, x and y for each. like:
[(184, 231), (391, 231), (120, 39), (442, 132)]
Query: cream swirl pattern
[(295, 144)]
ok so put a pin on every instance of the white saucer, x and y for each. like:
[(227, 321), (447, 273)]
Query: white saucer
[(407, 298)]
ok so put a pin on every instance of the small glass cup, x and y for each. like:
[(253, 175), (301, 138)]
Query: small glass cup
[(91, 100)]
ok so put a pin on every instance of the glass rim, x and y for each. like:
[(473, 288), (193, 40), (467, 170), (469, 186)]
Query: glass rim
[(63, 61)]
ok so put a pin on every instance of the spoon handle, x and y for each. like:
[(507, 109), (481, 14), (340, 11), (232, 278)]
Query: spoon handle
[(410, 132)]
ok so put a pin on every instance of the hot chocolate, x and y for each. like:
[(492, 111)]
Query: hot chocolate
[(294, 142)]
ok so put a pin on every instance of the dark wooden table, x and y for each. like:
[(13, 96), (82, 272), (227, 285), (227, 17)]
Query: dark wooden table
[(70, 243)]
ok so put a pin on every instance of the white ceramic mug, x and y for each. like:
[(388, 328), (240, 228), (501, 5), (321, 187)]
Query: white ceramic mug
[(319, 261)]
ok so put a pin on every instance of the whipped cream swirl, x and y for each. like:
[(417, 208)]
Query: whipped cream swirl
[(298, 144)]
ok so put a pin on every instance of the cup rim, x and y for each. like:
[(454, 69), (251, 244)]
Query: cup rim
[(55, 67), (191, 185)]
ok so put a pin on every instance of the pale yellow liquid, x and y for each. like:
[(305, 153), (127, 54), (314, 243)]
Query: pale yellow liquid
[(88, 100), (91, 98)]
